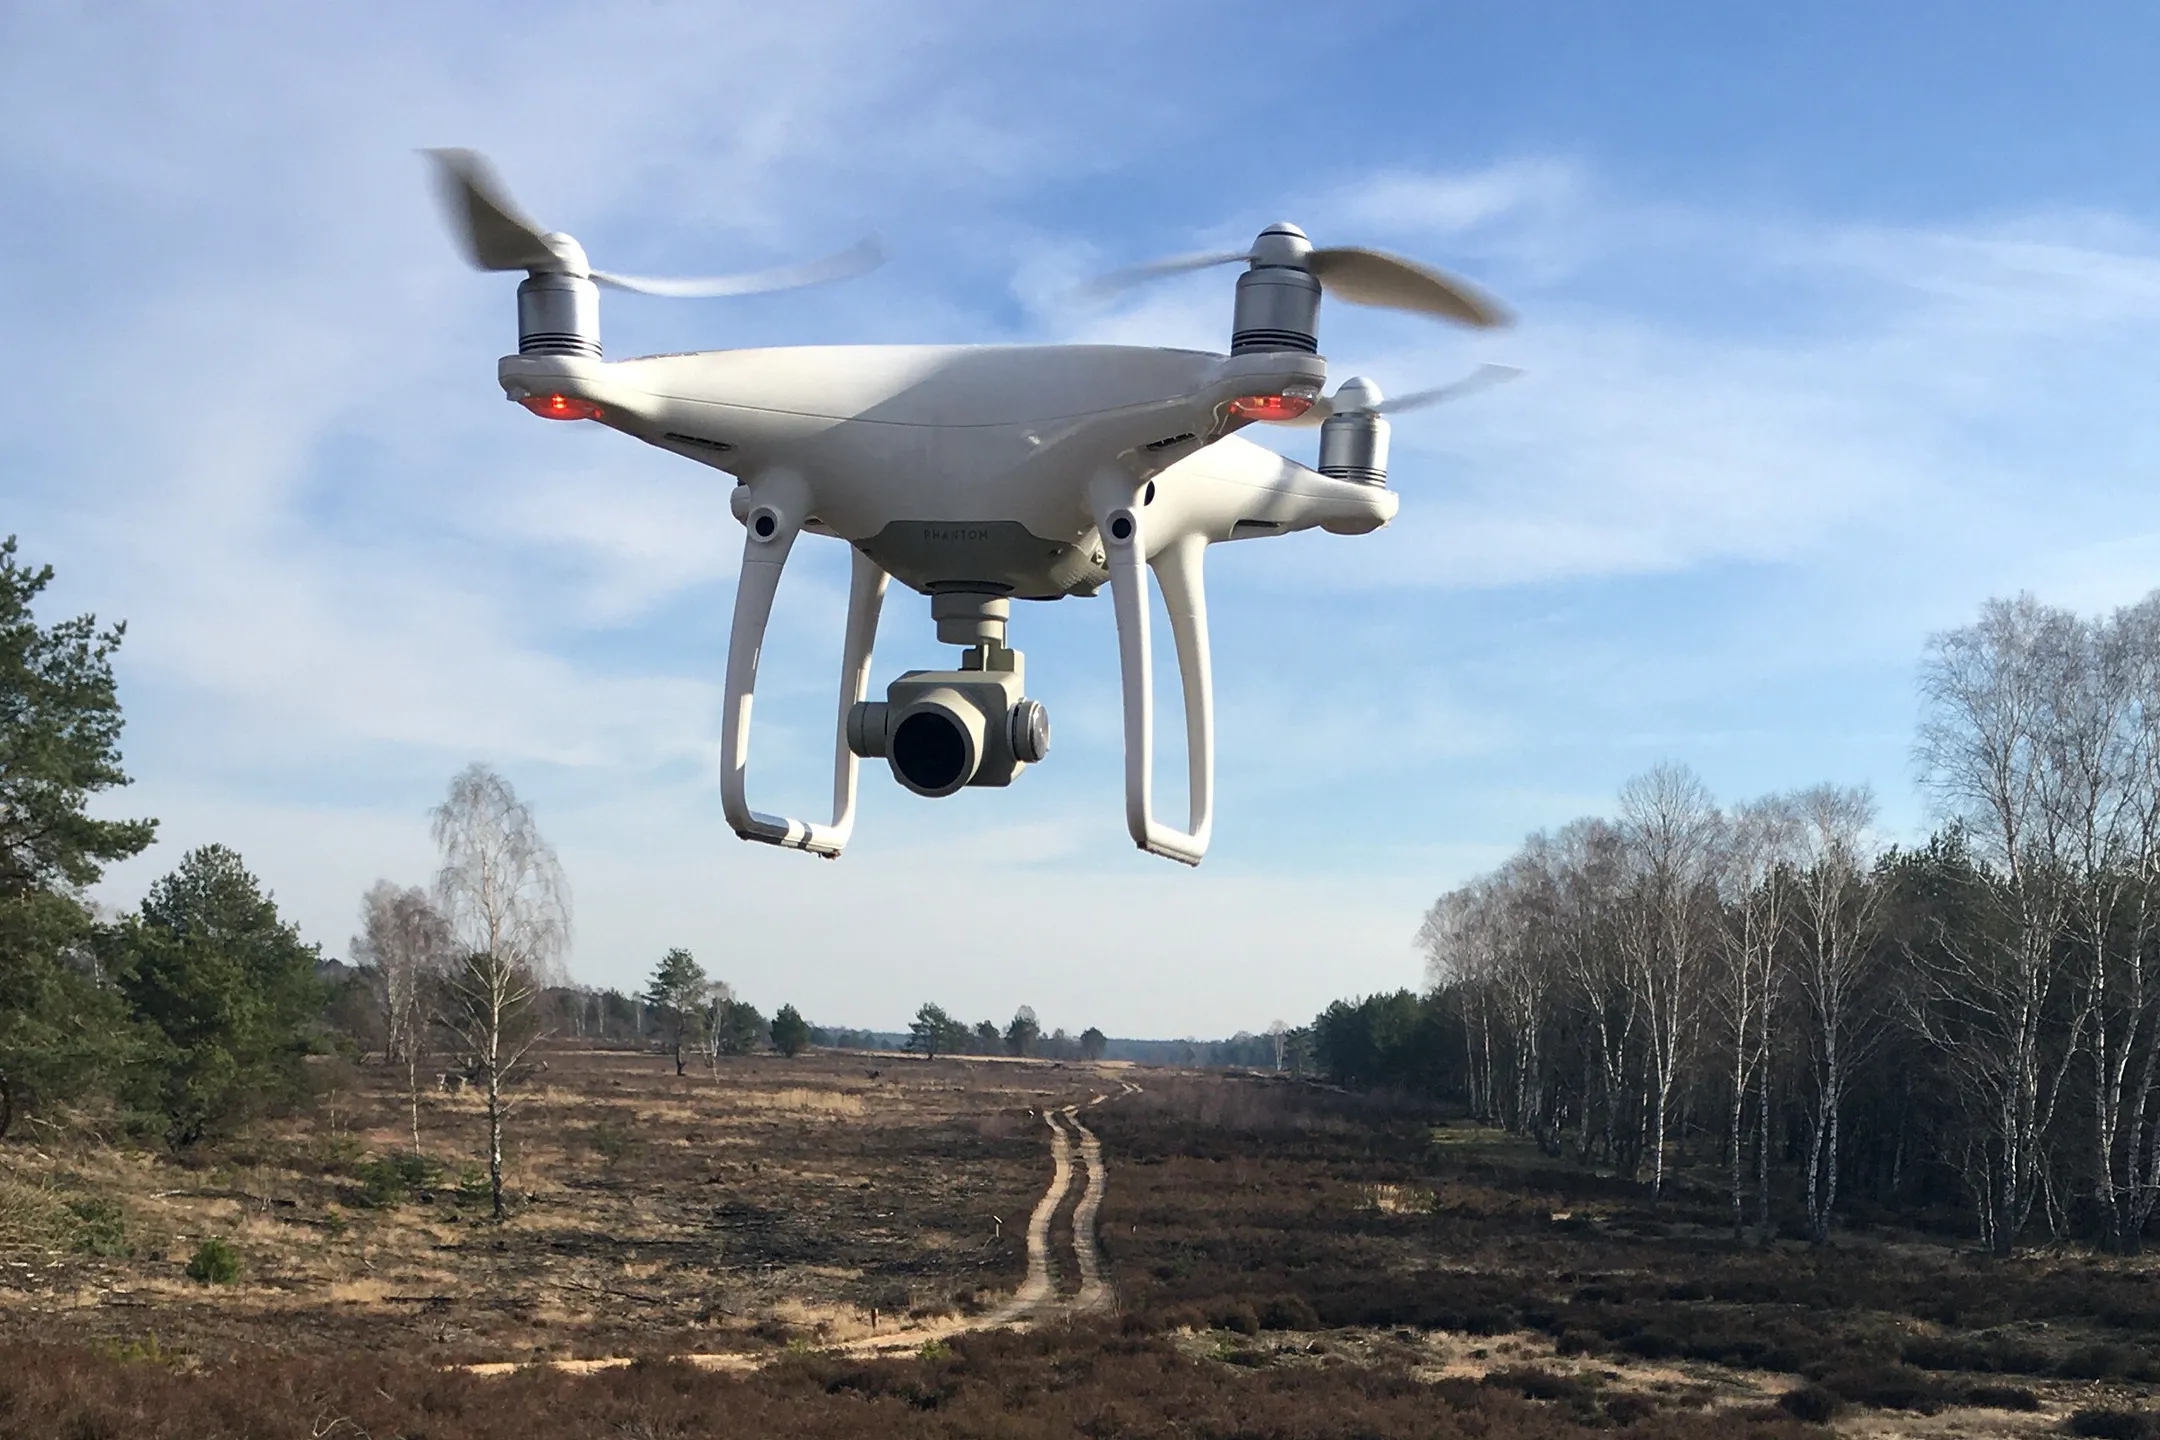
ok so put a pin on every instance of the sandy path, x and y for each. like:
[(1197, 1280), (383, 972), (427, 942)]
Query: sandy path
[(1040, 1287), (1087, 1250), (1035, 1299)]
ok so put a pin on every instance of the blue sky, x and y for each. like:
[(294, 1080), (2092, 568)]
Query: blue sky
[(1837, 323)]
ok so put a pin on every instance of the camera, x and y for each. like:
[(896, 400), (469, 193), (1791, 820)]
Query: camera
[(943, 730)]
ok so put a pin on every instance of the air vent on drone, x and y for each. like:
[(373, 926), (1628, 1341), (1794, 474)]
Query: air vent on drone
[(716, 446)]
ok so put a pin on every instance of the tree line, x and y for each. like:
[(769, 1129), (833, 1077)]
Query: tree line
[(1970, 1025), (194, 1009), (198, 1010), (934, 1031)]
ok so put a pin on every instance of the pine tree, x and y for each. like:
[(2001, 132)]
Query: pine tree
[(61, 1027)]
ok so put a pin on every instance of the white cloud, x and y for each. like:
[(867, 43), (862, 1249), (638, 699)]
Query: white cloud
[(267, 432)]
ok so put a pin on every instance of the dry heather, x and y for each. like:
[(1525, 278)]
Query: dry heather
[(1288, 1262), (775, 1200)]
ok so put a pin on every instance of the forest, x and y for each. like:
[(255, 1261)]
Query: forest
[(1962, 1033)]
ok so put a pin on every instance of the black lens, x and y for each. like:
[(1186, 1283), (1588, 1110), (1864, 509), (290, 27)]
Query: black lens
[(929, 750)]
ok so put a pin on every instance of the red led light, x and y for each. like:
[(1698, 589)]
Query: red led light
[(561, 407), (1270, 407)]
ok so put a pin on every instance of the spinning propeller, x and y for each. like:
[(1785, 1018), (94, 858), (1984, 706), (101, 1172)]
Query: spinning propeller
[(1360, 396), (1348, 272), (557, 312)]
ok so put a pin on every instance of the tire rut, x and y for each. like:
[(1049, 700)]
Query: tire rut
[(1036, 1299)]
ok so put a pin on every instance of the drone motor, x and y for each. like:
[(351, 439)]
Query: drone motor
[(1278, 299), (1354, 437), (558, 314)]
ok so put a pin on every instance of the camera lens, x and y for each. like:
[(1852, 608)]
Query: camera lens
[(930, 753)]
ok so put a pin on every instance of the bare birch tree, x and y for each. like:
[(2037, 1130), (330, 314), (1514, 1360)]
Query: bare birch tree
[(1671, 828), (508, 905), (1759, 873), (1989, 689), (1833, 960), (1586, 862), (407, 943), (2104, 743)]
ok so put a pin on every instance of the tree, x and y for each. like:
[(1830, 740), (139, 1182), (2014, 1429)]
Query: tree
[(790, 1032), (405, 945), (934, 1032), (988, 1039), (508, 904), (1758, 872), (1835, 916), (228, 990), (1093, 1042), (737, 1027), (1671, 832), (60, 1025), (1984, 753), (678, 991), (1023, 1032)]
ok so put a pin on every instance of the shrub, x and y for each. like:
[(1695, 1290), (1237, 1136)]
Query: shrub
[(393, 1179), (2107, 1362), (1994, 1355), (100, 1228), (2002, 1397), (1534, 1382), (1628, 1406), (1237, 1316), (1811, 1403), (1289, 1312), (1888, 1387), (612, 1143), (215, 1263), (2113, 1425)]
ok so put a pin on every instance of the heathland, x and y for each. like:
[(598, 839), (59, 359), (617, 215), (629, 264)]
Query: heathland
[(829, 1244)]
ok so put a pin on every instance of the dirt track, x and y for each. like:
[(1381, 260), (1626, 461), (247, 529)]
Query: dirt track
[(1035, 1300)]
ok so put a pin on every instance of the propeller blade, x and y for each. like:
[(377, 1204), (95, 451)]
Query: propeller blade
[(1106, 285), (1372, 277), (866, 255), (496, 234), (1482, 378)]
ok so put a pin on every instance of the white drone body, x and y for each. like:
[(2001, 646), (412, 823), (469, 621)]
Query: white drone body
[(979, 475)]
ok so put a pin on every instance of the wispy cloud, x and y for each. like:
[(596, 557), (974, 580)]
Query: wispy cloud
[(252, 409)]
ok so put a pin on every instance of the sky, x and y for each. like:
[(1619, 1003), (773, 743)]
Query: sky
[(1836, 319)]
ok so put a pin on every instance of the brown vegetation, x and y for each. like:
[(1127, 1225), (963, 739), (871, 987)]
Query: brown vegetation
[(650, 1214), (1289, 1261)]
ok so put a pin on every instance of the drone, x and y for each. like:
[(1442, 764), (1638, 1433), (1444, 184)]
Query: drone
[(978, 475)]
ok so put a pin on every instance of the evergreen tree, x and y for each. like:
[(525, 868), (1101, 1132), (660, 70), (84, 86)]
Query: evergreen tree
[(1023, 1032), (60, 1027), (934, 1032), (738, 1028), (1092, 1043), (227, 989), (790, 1032), (678, 991)]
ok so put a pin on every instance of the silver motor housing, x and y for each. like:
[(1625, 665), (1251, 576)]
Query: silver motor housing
[(558, 315), (1354, 446)]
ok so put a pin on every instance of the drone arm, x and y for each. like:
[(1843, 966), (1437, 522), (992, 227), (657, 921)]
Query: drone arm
[(1178, 568), (778, 506)]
